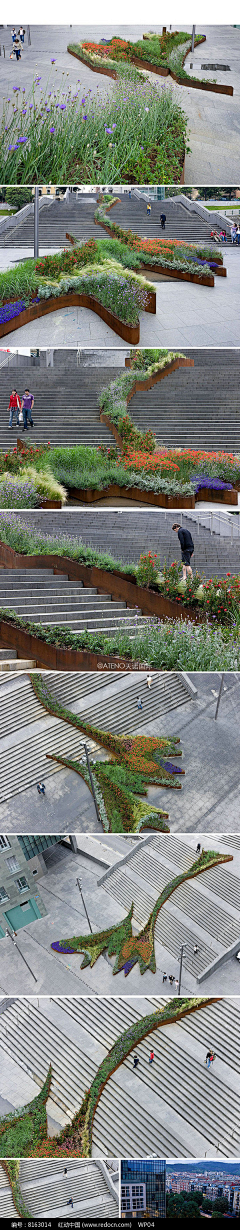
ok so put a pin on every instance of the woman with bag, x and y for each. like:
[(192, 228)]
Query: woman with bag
[(14, 407)]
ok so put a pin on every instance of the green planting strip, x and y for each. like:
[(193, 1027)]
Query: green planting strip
[(12, 1172), (22, 1129), (132, 949)]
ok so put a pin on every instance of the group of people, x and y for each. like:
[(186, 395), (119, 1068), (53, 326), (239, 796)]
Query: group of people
[(22, 409), (136, 1060), (17, 42), (235, 233), (221, 236)]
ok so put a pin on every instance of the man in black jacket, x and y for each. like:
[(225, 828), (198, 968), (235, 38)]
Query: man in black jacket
[(187, 548)]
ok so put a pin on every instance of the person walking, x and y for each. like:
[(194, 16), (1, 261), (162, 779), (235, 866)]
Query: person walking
[(209, 1058), (151, 1057), (14, 34), (187, 548), (135, 1062), (149, 681), (149, 208), (21, 34), (238, 236), (17, 48), (65, 1170), (70, 1201), (198, 848), (41, 788), (163, 221), (164, 976), (27, 407), (14, 407), (233, 232), (139, 702)]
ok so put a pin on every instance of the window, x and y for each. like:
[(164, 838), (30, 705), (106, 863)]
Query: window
[(22, 884), (3, 894), (12, 864), (5, 844)]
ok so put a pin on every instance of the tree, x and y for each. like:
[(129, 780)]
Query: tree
[(18, 196)]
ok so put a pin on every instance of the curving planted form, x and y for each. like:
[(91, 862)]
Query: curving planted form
[(132, 949)]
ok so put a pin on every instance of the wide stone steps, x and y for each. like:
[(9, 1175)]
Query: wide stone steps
[(222, 1028), (33, 1039), (120, 713), (180, 222), (84, 1181), (220, 879), (43, 597), (23, 755), (69, 687), (204, 911), (130, 535), (7, 1207), (77, 217)]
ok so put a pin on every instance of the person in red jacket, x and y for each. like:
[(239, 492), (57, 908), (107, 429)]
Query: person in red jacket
[(14, 407)]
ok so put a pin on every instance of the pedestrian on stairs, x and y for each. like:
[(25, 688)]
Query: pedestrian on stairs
[(65, 1170), (187, 548), (41, 788), (27, 407), (149, 681), (163, 221), (151, 1057), (210, 1056), (135, 1061), (70, 1201), (14, 407), (139, 702), (198, 848), (149, 208)]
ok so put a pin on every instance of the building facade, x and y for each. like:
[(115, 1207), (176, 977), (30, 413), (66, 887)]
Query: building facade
[(21, 866), (143, 1187)]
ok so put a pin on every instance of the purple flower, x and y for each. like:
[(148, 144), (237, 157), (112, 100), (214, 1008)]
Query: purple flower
[(84, 117), (108, 130), (83, 101), (24, 112), (62, 106), (53, 61), (51, 129), (21, 140), (12, 147)]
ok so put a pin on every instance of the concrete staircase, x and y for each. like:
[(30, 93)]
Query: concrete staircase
[(127, 536), (136, 1111), (66, 410), (202, 912), (46, 1189), (28, 732), (39, 595), (77, 217), (7, 1207), (10, 662), (188, 409)]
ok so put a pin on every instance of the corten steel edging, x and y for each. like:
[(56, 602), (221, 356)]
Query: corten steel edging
[(141, 383), (129, 333), (217, 497), (165, 270), (116, 583), (90, 495), (160, 71), (55, 657)]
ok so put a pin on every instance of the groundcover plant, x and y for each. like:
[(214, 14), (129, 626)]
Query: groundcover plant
[(136, 132), (166, 51), (197, 259), (75, 1140), (132, 949), (137, 762)]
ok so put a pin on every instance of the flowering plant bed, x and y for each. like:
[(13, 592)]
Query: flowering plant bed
[(138, 762), (12, 1172), (25, 1127), (192, 262), (163, 55), (75, 1140), (118, 939)]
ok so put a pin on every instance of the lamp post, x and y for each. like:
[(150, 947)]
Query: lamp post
[(219, 697), (79, 885), (12, 936), (182, 954), (92, 785), (36, 221), (193, 38)]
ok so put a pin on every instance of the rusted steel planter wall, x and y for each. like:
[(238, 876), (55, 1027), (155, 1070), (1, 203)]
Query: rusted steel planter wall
[(129, 333), (54, 657), (117, 583), (166, 271), (91, 495)]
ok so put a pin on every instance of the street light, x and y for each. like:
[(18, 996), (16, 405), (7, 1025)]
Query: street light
[(12, 936), (193, 37), (219, 698), (92, 785), (79, 885)]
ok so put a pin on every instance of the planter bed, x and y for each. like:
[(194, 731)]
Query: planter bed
[(89, 495), (159, 70), (129, 333), (166, 271), (55, 657), (117, 583), (51, 504)]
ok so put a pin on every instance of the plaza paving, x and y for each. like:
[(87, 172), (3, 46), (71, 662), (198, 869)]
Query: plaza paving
[(214, 120), (206, 914), (210, 796), (186, 315), (136, 1113)]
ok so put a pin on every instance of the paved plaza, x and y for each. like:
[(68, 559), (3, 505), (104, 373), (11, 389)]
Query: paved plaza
[(186, 315), (213, 119)]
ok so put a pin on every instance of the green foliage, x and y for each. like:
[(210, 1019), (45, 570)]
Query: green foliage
[(18, 195), (20, 1131)]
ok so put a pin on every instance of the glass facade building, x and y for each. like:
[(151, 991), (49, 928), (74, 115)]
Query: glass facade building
[(151, 1174)]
